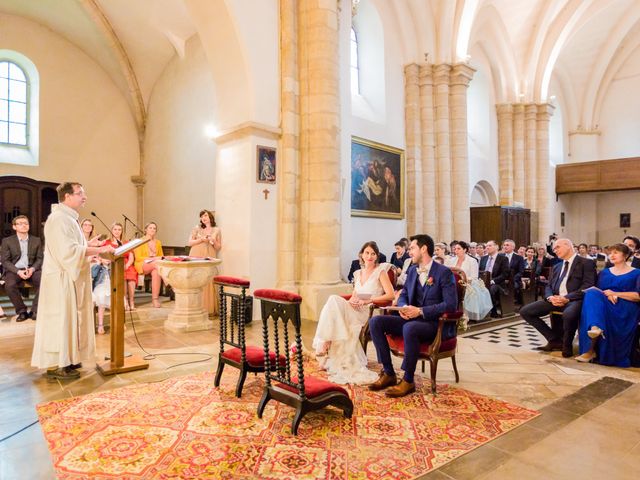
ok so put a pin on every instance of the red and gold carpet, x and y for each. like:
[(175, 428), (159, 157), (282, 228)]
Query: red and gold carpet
[(185, 428)]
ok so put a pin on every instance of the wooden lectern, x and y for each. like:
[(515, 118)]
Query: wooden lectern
[(117, 362)]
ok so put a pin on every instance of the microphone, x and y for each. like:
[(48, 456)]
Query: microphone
[(100, 220), (127, 219)]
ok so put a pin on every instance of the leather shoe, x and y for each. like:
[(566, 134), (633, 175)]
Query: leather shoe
[(33, 315), (64, 373), (383, 382), (550, 347), (75, 366), (567, 353), (22, 317), (402, 389)]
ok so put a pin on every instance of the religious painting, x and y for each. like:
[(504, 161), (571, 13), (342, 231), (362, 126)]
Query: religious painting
[(377, 180), (625, 220), (266, 165)]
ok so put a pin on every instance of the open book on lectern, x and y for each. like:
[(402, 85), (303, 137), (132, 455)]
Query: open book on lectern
[(127, 247)]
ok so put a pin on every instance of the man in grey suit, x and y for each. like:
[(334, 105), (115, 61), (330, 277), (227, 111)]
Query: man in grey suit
[(21, 255)]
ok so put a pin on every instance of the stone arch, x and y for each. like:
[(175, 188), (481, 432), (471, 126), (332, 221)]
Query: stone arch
[(216, 25), (483, 195)]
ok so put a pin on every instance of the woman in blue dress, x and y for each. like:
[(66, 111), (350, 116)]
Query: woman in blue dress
[(610, 313)]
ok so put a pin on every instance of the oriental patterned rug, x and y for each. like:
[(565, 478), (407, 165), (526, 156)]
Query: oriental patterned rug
[(185, 428)]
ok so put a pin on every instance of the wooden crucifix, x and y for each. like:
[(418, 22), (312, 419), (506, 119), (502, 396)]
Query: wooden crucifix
[(266, 193)]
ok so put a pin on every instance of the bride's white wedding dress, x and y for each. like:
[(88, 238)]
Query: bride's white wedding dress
[(340, 324)]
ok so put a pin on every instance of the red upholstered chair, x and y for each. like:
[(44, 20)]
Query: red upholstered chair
[(289, 385), (246, 358), (438, 348)]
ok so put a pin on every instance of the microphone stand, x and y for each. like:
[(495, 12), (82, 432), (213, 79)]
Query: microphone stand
[(103, 224), (127, 219)]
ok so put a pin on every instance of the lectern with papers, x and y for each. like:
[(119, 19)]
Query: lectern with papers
[(117, 363)]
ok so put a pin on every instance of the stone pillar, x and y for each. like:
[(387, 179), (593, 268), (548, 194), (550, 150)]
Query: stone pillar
[(415, 202), (530, 124), (443, 152), (139, 182), (544, 192), (319, 224), (505, 152), (519, 184), (288, 168), (461, 75), (428, 150)]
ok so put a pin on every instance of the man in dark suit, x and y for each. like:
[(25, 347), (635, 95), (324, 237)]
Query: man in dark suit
[(21, 256), (516, 267), (564, 294), (428, 292), (498, 265)]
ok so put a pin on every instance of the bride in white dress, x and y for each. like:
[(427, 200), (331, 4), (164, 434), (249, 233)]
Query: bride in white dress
[(336, 341)]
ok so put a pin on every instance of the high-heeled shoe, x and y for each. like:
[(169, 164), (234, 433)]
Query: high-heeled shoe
[(586, 357), (595, 332)]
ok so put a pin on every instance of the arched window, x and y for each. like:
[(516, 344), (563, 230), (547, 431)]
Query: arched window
[(14, 107), (355, 71)]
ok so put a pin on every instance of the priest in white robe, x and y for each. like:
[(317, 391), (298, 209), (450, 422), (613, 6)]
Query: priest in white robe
[(65, 334)]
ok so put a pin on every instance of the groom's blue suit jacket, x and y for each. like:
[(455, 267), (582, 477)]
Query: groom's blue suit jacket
[(435, 299)]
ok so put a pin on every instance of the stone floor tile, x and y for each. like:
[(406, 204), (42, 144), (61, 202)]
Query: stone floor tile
[(519, 368), (475, 463)]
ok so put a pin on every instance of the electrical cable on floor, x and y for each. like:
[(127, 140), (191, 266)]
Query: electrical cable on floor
[(17, 432), (152, 356)]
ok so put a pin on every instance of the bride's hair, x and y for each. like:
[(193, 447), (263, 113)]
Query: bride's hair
[(374, 246)]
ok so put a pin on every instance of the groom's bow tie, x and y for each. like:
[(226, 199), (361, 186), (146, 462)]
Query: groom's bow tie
[(422, 269)]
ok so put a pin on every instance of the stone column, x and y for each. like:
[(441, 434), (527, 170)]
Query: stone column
[(461, 75), (519, 183), (530, 125), (505, 152), (443, 152), (288, 168), (139, 182), (428, 150), (415, 202), (544, 192), (319, 225)]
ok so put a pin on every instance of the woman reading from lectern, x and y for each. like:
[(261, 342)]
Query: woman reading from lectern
[(206, 241), (145, 261), (336, 342)]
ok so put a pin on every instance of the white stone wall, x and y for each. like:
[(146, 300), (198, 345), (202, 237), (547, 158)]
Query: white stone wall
[(87, 131)]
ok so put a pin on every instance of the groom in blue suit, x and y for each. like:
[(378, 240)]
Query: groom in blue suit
[(428, 292)]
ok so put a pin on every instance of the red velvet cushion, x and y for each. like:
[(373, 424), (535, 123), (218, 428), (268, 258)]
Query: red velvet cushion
[(397, 343), (277, 295), (254, 355), (314, 386), (452, 315), (239, 282)]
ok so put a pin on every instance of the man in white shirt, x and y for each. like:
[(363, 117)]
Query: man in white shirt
[(563, 294)]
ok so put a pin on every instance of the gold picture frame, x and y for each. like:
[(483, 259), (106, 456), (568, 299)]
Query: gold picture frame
[(377, 180)]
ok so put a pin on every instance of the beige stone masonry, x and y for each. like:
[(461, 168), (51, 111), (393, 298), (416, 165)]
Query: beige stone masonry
[(505, 152)]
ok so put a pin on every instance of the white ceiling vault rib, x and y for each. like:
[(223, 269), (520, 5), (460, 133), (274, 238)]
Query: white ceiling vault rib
[(95, 13)]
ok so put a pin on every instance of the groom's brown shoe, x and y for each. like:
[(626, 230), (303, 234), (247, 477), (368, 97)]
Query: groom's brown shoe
[(400, 390), (383, 382)]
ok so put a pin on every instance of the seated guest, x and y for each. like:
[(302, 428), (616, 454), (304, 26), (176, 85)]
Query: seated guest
[(610, 313), (429, 291), (441, 251), (462, 261), (516, 265), (336, 341), (498, 265), (531, 262), (399, 256), (145, 261), (402, 277), (472, 250), (479, 251), (522, 251), (634, 244), (21, 255), (583, 250), (564, 293), (357, 265)]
